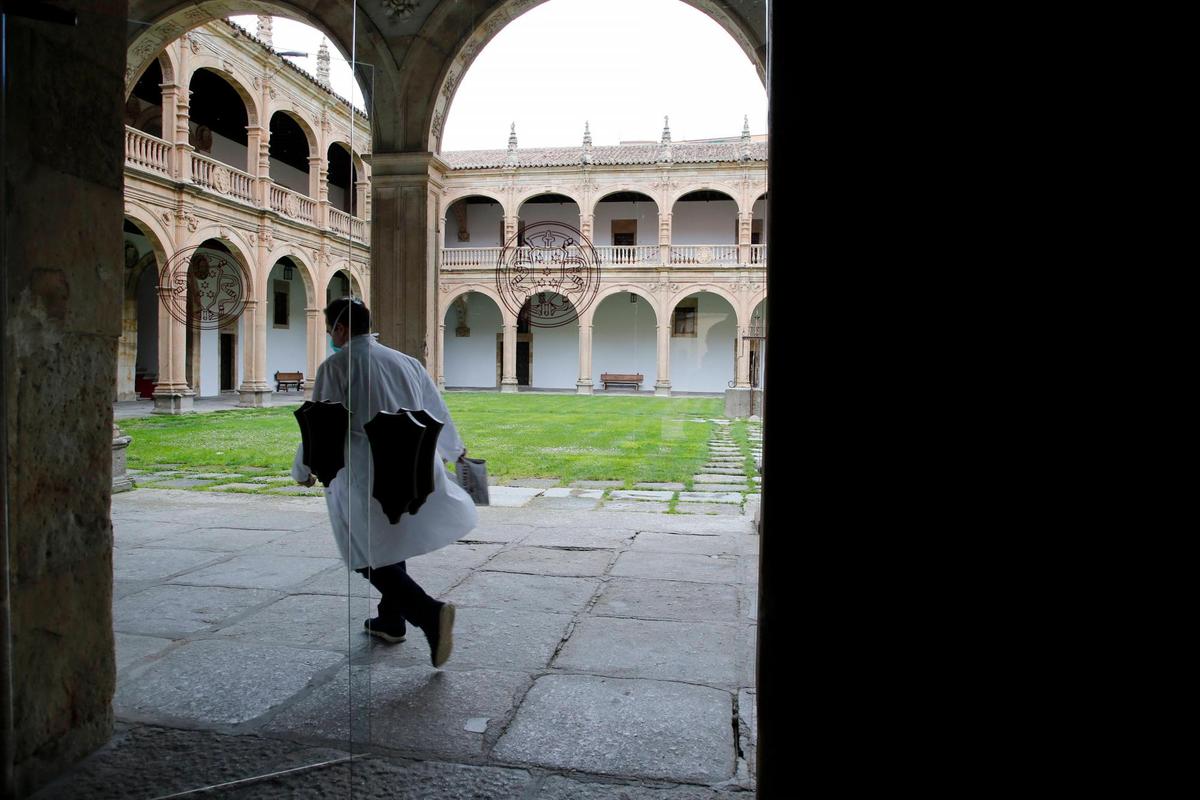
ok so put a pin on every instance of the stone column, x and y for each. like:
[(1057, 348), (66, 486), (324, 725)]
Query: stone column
[(584, 384), (440, 376), (508, 368), (510, 227), (742, 357), (172, 395), (127, 350), (662, 385), (318, 189), (745, 223), (404, 269), (664, 238), (256, 136), (315, 334), (586, 222), (121, 481), (255, 392), (362, 190)]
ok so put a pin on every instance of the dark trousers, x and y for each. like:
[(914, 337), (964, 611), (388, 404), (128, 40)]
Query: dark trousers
[(403, 598)]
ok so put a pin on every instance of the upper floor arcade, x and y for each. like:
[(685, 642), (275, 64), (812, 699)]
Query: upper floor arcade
[(689, 205), (220, 113)]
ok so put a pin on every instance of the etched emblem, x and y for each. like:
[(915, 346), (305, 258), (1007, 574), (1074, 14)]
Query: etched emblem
[(551, 277), (203, 289)]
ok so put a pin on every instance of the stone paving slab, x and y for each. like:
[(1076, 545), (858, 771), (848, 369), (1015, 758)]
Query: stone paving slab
[(525, 592), (562, 503), (247, 487), (557, 787), (487, 637), (511, 496), (176, 611), (306, 491), (531, 483), (723, 509), (341, 583), (710, 497), (217, 682), (414, 710), (138, 532), (216, 476), (309, 620), (695, 652), (657, 542), (719, 476), (569, 536), (145, 563), (132, 648), (280, 480), (552, 561), (458, 556), (641, 495), (676, 567), (583, 722), (670, 600), (672, 487), (221, 539), (179, 483), (636, 505), (258, 572), (488, 531), (598, 484), (721, 487)]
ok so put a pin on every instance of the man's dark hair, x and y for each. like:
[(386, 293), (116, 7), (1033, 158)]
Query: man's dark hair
[(351, 312)]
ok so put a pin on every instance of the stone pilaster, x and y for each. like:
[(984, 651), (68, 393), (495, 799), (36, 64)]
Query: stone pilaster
[(662, 385), (584, 384)]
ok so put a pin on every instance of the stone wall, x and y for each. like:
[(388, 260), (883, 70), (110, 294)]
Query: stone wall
[(63, 156)]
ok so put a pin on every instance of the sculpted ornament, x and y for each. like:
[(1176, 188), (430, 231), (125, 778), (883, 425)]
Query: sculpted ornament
[(400, 9), (289, 205), (268, 238), (221, 180)]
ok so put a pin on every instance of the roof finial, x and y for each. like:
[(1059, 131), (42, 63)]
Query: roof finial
[(664, 153), (323, 63), (746, 138), (263, 30), (585, 155), (666, 136), (512, 144)]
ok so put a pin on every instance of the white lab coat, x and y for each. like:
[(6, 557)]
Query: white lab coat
[(383, 379)]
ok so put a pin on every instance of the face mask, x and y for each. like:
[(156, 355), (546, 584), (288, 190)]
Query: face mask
[(336, 349)]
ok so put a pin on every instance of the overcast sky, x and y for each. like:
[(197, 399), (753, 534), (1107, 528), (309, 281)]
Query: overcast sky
[(619, 64)]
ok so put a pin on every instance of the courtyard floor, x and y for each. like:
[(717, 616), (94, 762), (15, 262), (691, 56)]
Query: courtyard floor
[(604, 648)]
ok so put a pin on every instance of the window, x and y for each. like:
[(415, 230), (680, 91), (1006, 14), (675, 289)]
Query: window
[(683, 321), (624, 232), (281, 304)]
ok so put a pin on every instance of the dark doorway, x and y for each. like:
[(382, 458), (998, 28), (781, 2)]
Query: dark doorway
[(523, 359), (228, 373)]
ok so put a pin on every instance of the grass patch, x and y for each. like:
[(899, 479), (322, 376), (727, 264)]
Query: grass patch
[(632, 439)]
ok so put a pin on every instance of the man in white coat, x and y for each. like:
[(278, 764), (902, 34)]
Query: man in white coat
[(369, 378)]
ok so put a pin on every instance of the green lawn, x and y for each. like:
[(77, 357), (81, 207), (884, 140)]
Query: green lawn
[(521, 435)]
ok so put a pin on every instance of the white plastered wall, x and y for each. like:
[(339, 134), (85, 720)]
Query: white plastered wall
[(644, 211), (700, 222), (704, 363), (624, 338), (286, 347), (470, 361)]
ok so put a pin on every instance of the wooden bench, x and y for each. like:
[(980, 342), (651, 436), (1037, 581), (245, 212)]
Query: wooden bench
[(633, 379), (285, 379)]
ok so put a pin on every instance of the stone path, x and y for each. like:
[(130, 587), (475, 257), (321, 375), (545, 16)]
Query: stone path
[(598, 653), (727, 485)]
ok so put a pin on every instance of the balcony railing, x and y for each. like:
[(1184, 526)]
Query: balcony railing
[(620, 255), (716, 255), (705, 254), (150, 154), (347, 225), (293, 204), (470, 256), (222, 178), (147, 152)]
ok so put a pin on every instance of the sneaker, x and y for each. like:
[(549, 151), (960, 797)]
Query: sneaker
[(389, 632), (441, 637)]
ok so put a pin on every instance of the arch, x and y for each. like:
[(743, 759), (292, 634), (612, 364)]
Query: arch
[(307, 274), (453, 196), (447, 22), (708, 186), (458, 291), (215, 66), (358, 281), (305, 126), (238, 246), (542, 193), (612, 290), (609, 191), (146, 220), (720, 291)]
